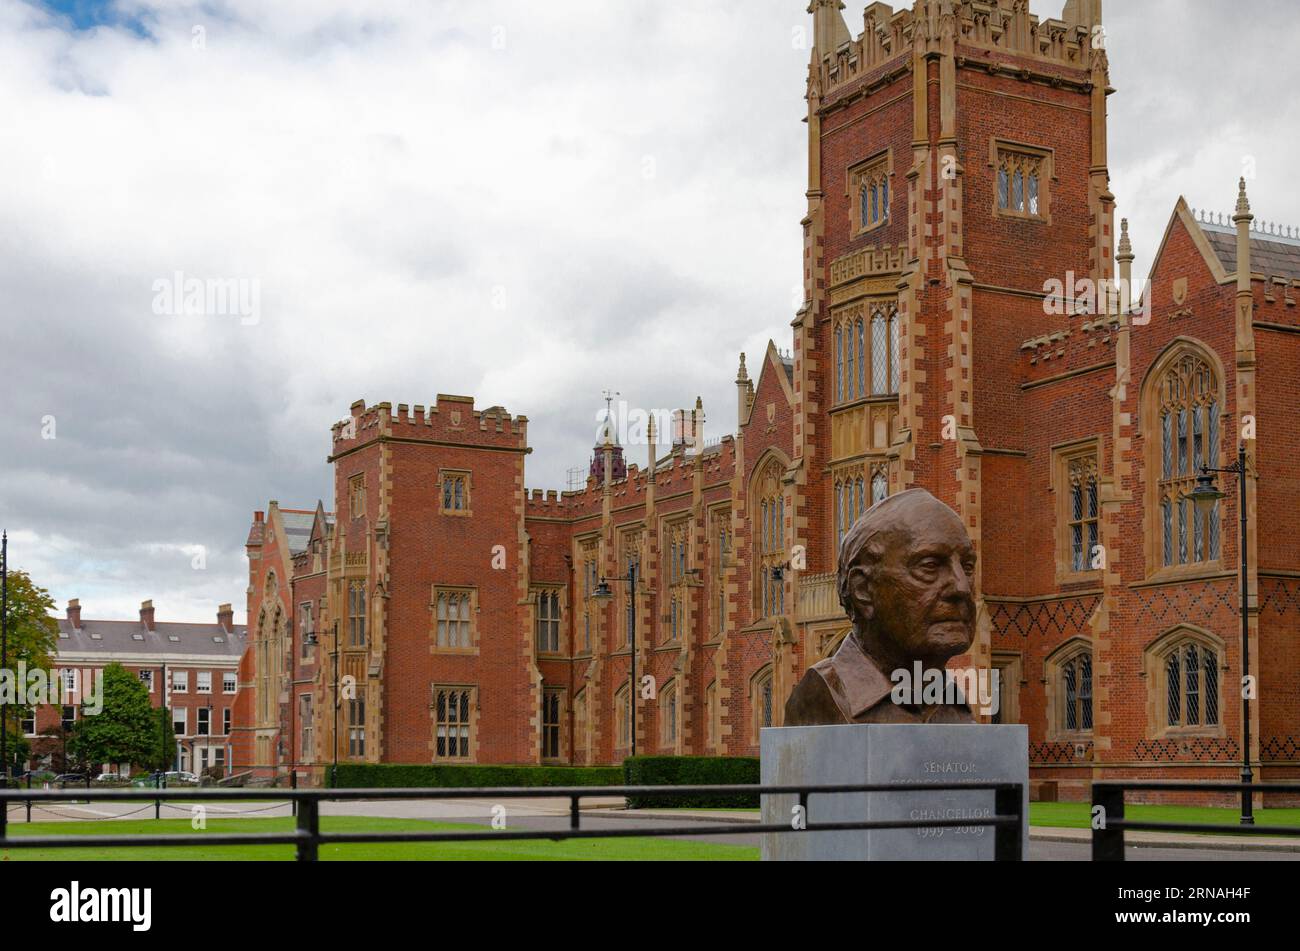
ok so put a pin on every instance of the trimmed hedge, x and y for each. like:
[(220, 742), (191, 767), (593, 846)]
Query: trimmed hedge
[(429, 776), (691, 771)]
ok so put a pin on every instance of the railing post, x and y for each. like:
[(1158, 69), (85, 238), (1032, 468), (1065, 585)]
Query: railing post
[(157, 809), (4, 818), (574, 813), (309, 822), (1009, 840), (1107, 838), (29, 810)]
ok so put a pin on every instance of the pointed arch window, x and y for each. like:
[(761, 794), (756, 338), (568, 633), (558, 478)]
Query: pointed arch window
[(1183, 669), (1184, 403), (768, 588), (1070, 690), (762, 701), (879, 486), (623, 717)]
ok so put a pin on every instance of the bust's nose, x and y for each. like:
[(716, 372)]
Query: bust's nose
[(959, 583)]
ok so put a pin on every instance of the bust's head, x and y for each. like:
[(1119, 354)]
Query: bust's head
[(906, 579)]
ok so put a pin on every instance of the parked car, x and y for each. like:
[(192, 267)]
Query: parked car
[(108, 778), (174, 776), (68, 779)]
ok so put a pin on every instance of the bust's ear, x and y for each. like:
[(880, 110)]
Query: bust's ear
[(859, 585)]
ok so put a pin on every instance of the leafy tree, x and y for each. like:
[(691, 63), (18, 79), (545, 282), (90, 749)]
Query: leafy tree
[(31, 637), (124, 731), (166, 732)]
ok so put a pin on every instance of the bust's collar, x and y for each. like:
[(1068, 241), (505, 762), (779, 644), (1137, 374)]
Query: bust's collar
[(862, 684)]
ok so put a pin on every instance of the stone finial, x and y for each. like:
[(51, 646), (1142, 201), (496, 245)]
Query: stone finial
[(1243, 203), (742, 374), (1125, 246)]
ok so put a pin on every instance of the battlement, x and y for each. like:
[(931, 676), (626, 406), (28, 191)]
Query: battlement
[(1004, 26), (1081, 342), (717, 460), (450, 419)]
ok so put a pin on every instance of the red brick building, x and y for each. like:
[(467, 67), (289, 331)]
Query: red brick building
[(958, 212), (191, 668)]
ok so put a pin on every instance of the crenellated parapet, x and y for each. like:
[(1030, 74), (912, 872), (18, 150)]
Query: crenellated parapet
[(1089, 339), (674, 472), (996, 26), (450, 419)]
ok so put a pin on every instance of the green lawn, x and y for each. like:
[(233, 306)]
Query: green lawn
[(1078, 815), (630, 849)]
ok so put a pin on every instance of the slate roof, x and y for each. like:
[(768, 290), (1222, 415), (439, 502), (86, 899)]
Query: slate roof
[(1278, 258), (297, 528), (168, 638)]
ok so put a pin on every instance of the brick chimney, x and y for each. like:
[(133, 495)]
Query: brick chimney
[(226, 618), (74, 613), (146, 614)]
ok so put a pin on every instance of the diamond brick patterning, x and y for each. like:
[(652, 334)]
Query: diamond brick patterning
[(1161, 608), (1052, 619), (1201, 749), (1280, 748), (1057, 753)]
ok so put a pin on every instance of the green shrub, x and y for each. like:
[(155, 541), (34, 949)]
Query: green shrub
[(430, 776), (691, 771)]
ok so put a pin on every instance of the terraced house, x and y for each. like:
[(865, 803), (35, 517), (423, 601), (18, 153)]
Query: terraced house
[(958, 194), (189, 668)]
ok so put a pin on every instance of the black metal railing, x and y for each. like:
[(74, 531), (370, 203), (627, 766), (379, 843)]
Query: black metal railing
[(1109, 825), (1008, 817)]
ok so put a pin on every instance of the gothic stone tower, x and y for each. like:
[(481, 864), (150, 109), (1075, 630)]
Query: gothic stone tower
[(957, 158)]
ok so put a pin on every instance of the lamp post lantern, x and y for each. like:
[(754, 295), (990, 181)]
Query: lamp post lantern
[(1205, 496)]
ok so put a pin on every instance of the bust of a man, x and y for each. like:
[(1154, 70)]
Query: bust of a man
[(905, 577)]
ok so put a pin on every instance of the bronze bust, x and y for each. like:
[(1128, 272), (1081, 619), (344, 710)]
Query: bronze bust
[(905, 577)]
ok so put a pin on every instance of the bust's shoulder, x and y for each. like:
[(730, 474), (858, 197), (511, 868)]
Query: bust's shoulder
[(812, 702)]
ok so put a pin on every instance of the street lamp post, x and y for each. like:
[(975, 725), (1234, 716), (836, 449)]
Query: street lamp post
[(312, 641), (603, 593), (1205, 496)]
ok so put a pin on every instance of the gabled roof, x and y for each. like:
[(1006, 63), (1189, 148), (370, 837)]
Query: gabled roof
[(167, 638), (1182, 213), (783, 366)]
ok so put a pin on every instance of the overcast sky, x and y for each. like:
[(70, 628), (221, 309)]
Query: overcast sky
[(527, 202)]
